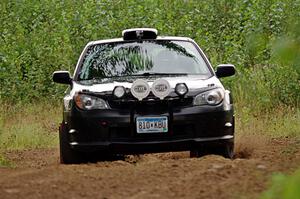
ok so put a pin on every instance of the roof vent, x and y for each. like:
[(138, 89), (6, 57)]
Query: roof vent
[(139, 33)]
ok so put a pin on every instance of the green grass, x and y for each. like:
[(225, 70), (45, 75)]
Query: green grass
[(280, 122), (29, 126), (4, 162), (284, 187)]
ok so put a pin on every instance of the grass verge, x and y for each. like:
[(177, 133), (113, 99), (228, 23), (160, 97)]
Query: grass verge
[(254, 128), (4, 162), (280, 122), (283, 186), (29, 126)]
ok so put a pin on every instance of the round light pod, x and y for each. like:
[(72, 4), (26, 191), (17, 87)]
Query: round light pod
[(140, 89), (119, 91), (181, 89), (161, 88)]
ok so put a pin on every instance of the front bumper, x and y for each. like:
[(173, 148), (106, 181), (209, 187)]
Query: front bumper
[(151, 146), (115, 129)]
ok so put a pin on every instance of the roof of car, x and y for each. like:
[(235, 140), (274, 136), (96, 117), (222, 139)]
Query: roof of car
[(158, 38)]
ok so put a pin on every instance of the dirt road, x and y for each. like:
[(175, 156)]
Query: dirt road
[(38, 174)]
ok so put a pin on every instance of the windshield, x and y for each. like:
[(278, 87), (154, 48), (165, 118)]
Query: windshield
[(141, 57)]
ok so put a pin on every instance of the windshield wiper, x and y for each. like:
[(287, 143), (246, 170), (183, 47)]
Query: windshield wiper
[(147, 74)]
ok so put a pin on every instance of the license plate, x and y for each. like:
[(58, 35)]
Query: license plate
[(152, 124)]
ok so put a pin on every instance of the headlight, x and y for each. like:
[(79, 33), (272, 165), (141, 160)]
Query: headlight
[(212, 97), (88, 102), (119, 91), (181, 89)]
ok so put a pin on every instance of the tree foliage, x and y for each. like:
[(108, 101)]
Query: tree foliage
[(260, 37)]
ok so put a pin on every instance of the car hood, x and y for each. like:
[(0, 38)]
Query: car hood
[(192, 82)]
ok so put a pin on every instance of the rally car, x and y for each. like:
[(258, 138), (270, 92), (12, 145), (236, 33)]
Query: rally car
[(144, 93)]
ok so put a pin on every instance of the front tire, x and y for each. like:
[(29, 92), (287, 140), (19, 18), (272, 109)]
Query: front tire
[(226, 150), (67, 155)]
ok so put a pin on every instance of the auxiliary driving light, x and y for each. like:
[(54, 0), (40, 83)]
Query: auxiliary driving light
[(181, 89), (119, 91)]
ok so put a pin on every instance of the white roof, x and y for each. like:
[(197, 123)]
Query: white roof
[(158, 38)]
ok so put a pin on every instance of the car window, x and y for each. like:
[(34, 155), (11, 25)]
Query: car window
[(129, 58)]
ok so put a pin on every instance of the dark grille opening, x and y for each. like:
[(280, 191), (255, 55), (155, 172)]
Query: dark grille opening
[(183, 130), (153, 103), (152, 107), (119, 132)]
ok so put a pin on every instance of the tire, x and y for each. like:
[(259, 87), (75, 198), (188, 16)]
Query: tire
[(197, 153), (67, 155), (70, 156), (226, 150)]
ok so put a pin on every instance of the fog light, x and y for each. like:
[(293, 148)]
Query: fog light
[(181, 89), (104, 123), (228, 124), (72, 131), (119, 91)]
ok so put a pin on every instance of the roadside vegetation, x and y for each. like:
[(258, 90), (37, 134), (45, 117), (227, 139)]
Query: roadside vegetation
[(261, 38), (284, 186), (28, 126), (32, 126)]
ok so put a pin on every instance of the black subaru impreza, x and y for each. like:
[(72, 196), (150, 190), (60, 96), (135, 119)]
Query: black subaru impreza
[(145, 93)]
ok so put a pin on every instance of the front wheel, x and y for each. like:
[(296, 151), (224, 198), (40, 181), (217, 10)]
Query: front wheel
[(226, 150), (67, 155), (70, 156)]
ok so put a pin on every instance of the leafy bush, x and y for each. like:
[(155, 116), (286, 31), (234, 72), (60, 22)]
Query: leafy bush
[(39, 37)]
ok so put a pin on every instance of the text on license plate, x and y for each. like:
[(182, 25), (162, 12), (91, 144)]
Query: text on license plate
[(152, 124)]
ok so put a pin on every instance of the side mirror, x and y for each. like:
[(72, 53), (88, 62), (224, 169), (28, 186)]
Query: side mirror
[(62, 77), (225, 70)]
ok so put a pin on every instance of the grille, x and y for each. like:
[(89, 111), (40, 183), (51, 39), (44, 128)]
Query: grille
[(120, 132), (151, 103), (184, 130)]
